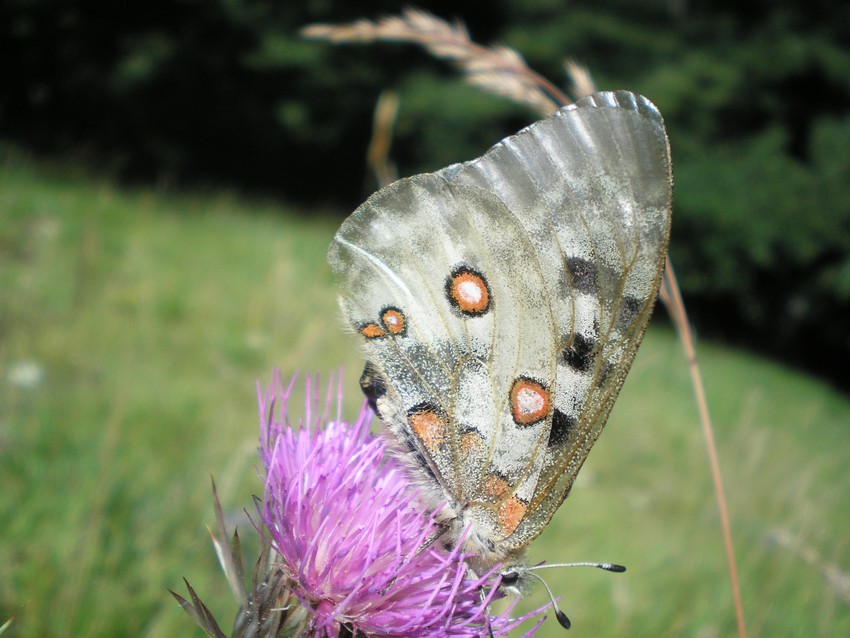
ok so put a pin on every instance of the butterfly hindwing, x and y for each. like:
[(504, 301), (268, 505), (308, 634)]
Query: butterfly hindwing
[(501, 302)]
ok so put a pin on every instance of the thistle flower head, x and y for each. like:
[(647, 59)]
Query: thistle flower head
[(350, 534)]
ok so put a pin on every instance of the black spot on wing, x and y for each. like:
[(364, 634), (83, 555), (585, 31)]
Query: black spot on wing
[(373, 384), (562, 425), (579, 354), (584, 275), (426, 407), (628, 312)]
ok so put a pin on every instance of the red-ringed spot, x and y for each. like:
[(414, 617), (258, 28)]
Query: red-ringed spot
[(511, 513), (495, 486), (529, 401), (394, 320), (468, 292), (429, 425), (372, 331)]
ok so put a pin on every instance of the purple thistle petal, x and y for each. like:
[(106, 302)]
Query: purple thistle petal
[(349, 532)]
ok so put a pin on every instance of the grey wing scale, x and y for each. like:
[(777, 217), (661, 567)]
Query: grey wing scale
[(502, 301), (605, 169)]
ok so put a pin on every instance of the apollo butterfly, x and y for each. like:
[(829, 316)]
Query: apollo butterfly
[(500, 303)]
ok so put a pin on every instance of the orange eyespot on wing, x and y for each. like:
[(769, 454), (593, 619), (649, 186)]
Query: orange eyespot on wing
[(529, 401), (468, 292), (372, 331), (495, 486), (511, 513), (429, 425), (394, 321)]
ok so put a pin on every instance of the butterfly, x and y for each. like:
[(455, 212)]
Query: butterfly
[(500, 303)]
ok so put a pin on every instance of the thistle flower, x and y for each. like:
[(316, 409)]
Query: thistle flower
[(345, 547), (350, 534)]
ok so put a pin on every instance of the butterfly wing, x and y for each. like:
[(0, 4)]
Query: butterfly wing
[(501, 303)]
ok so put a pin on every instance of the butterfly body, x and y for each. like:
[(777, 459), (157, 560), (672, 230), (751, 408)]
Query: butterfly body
[(500, 303)]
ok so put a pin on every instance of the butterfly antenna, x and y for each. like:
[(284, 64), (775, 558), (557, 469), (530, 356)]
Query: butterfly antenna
[(561, 616), (608, 567)]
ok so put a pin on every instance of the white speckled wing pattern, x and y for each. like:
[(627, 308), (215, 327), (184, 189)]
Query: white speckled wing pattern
[(500, 303)]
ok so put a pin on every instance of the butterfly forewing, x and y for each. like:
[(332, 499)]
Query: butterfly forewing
[(501, 302), (604, 164)]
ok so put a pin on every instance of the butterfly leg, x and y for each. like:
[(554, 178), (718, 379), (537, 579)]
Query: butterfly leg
[(483, 597), (433, 539), (430, 541)]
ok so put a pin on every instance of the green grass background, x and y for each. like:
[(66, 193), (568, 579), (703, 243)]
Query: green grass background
[(150, 316)]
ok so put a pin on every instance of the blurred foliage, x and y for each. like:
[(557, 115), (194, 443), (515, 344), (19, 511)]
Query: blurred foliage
[(134, 324), (756, 95)]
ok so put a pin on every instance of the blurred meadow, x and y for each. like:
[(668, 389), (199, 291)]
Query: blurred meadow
[(135, 325), (140, 306)]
